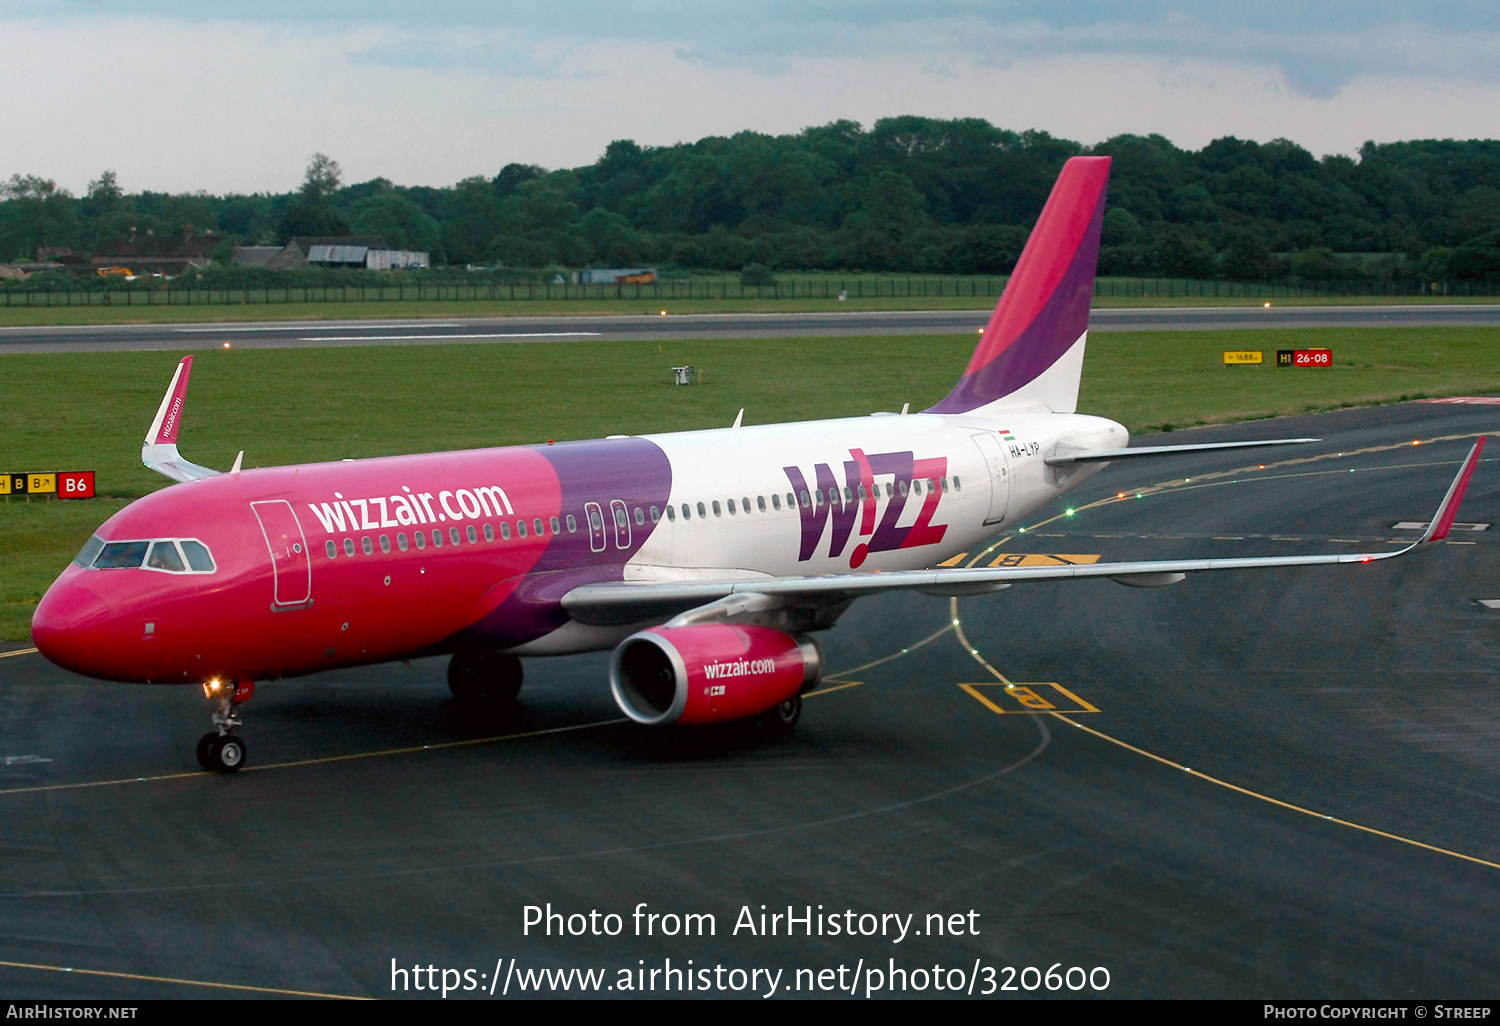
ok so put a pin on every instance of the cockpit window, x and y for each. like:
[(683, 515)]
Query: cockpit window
[(120, 555), (90, 550), (198, 557), (164, 557)]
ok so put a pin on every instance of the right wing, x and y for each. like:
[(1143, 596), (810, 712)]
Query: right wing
[(159, 453), (627, 602)]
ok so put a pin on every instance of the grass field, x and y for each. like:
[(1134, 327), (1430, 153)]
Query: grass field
[(90, 411), (30, 317)]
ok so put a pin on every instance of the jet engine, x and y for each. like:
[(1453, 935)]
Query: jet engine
[(710, 673)]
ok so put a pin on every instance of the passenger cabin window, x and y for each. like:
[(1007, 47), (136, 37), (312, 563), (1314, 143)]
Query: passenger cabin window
[(504, 531), (520, 528), (556, 527), (640, 516), (333, 550), (385, 543), (745, 503), (791, 500), (348, 546), (453, 535), (731, 507), (760, 502), (401, 540), (572, 524), (489, 533), (956, 486), (702, 512), (121, 555), (655, 514), (367, 545), (775, 501), (718, 512), (472, 535), (437, 539), (672, 513), (537, 524), (420, 537)]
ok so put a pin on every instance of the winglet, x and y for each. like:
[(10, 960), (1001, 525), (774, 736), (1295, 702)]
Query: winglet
[(159, 453), (1443, 519), (169, 414)]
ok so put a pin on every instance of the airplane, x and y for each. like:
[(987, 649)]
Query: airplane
[(704, 559)]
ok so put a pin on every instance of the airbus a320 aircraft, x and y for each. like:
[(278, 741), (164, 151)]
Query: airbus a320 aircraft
[(704, 559)]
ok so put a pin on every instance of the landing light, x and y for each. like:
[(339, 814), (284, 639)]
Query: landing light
[(1070, 512), (226, 345), (1268, 306), (212, 687), (663, 313)]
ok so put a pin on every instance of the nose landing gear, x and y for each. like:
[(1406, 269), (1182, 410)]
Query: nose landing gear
[(223, 751)]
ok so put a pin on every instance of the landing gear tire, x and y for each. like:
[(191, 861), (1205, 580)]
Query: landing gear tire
[(221, 753), (784, 717), (203, 743), (491, 678)]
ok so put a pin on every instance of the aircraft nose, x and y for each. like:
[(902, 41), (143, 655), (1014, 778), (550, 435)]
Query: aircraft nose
[(66, 625)]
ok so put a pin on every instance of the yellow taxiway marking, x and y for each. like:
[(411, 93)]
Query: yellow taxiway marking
[(407, 750), (958, 631), (17, 652), (184, 983), (837, 679), (1027, 700), (1044, 559)]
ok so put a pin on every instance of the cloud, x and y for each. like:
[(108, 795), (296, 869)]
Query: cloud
[(1319, 48)]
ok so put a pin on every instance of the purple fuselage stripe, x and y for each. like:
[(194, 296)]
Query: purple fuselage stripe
[(634, 470), (1059, 324)]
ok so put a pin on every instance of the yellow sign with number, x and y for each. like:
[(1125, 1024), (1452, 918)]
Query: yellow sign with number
[(1242, 357), (38, 484)]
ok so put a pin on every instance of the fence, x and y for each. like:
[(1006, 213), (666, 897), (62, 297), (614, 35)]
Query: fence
[(911, 287)]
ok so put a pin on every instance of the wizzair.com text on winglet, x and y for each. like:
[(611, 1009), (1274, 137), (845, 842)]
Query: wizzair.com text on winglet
[(706, 561)]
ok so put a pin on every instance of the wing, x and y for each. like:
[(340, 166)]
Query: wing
[(159, 453), (626, 602)]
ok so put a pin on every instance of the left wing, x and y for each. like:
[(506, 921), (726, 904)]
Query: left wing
[(626, 602)]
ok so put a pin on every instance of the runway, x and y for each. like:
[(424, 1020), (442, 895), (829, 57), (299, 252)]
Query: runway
[(532, 329), (1281, 783)]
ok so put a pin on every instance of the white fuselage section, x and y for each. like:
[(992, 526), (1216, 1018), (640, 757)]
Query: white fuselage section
[(885, 492)]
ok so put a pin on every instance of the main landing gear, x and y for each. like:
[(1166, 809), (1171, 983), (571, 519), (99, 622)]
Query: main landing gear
[(488, 678), (223, 750), (782, 718)]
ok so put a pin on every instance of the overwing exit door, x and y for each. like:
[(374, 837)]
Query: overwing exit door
[(999, 474), (291, 567)]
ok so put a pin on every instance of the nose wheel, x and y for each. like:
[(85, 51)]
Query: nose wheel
[(223, 750), (221, 753)]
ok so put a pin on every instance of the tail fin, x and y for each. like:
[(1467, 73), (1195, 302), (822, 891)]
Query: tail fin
[(1030, 357)]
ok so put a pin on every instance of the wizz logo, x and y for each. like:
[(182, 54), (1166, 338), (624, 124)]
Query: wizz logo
[(827, 504)]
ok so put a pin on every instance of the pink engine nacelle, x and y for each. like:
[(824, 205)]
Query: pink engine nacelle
[(710, 673)]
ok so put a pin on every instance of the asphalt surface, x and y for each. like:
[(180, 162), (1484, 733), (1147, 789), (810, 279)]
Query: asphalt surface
[(379, 821), (797, 325)]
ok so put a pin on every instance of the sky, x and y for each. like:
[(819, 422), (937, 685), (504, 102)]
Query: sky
[(179, 96)]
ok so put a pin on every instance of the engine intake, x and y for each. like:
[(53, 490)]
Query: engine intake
[(710, 673)]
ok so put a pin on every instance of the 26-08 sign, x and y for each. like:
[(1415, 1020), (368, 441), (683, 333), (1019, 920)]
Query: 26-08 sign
[(1312, 358)]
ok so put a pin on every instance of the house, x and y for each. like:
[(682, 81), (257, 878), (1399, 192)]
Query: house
[(368, 251), (157, 254)]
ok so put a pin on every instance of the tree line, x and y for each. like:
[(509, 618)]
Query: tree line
[(909, 194)]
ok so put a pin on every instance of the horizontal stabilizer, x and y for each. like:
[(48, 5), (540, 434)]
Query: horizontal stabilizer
[(1110, 455)]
